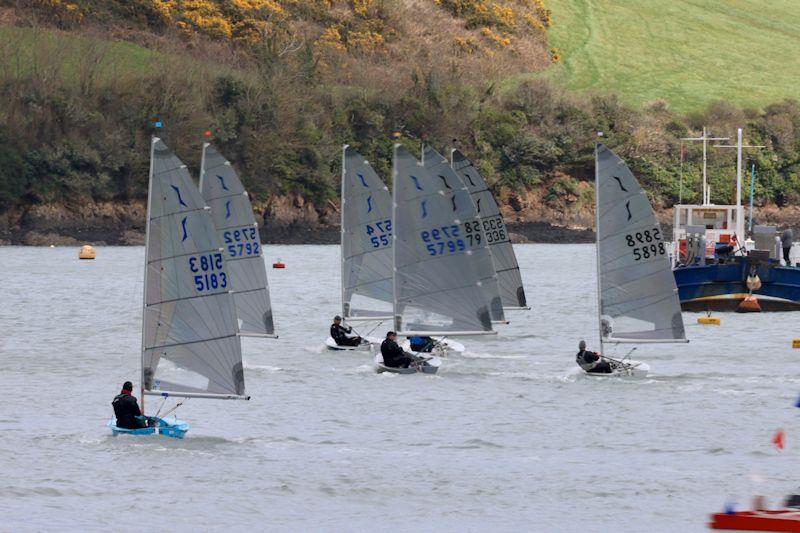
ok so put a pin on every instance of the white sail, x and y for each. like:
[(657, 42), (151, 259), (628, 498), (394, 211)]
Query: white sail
[(190, 344), (505, 260), (436, 291), (638, 298), (465, 210), (238, 232), (366, 240)]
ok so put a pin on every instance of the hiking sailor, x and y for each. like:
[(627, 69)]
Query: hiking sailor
[(341, 334), (591, 361), (393, 354), (126, 409), (419, 343)]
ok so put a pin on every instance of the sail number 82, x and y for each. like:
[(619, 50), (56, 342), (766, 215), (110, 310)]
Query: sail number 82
[(645, 244)]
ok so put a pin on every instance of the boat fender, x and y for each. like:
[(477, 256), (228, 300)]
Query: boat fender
[(709, 320), (749, 305)]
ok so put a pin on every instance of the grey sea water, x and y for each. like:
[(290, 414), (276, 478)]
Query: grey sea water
[(508, 437)]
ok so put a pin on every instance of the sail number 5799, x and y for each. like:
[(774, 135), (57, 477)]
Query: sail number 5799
[(645, 244)]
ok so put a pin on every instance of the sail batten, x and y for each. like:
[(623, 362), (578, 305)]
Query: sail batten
[(366, 240), (436, 291), (509, 280), (238, 233), (637, 295), (189, 332)]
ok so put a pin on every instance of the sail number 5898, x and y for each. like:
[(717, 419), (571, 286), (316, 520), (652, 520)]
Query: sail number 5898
[(645, 244)]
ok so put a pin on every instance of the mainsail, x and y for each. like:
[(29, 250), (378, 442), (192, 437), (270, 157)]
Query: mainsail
[(465, 210), (436, 292), (366, 240), (505, 261), (638, 298), (238, 232), (190, 345)]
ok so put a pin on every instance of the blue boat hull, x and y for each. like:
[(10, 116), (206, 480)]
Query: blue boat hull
[(722, 287), (174, 428)]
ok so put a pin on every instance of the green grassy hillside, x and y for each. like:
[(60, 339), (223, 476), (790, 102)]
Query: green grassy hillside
[(687, 52)]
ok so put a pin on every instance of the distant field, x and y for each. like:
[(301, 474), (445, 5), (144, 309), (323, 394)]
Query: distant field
[(687, 52)]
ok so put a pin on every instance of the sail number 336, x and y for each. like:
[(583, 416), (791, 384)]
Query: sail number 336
[(645, 244), (208, 272)]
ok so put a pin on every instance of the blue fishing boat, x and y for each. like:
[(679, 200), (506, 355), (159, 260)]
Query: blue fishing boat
[(717, 268)]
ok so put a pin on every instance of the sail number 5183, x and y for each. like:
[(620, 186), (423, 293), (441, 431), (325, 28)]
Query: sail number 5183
[(208, 272)]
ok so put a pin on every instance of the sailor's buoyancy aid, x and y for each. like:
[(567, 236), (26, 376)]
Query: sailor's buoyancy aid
[(580, 358)]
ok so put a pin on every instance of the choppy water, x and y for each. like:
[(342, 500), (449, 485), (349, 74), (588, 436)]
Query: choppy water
[(507, 437)]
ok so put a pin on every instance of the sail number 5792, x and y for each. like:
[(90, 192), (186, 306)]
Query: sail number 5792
[(645, 244)]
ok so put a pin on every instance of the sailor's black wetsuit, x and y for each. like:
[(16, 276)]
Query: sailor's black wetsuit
[(339, 334), (394, 356), (591, 362), (126, 409)]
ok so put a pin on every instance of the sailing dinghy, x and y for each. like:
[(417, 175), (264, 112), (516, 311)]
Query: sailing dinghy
[(237, 229), (190, 342), (430, 366), (438, 270), (637, 296), (463, 208), (366, 247), (497, 236)]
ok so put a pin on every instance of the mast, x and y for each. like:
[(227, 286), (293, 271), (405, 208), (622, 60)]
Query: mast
[(705, 138), (153, 140), (597, 242), (739, 146), (202, 166), (396, 318), (341, 234)]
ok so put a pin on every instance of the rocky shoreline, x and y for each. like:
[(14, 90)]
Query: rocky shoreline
[(285, 220)]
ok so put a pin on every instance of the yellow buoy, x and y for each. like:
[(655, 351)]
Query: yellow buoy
[(709, 320), (795, 343), (87, 252)]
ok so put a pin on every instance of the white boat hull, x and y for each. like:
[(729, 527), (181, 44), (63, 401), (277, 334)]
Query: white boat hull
[(366, 347), (432, 367), (631, 370)]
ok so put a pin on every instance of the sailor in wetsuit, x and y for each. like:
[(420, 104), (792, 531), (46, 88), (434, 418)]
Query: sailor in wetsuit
[(126, 409), (340, 333), (591, 361), (393, 354), (421, 344)]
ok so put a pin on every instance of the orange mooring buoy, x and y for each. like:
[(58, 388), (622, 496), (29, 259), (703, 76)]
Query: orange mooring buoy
[(749, 305), (87, 252), (278, 264)]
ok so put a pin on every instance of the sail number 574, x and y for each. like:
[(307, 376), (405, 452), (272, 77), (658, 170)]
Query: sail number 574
[(645, 244)]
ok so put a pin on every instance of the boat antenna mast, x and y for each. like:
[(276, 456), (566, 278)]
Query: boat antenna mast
[(739, 146), (705, 138)]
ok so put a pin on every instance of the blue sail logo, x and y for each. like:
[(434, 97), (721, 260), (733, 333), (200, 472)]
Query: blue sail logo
[(424, 208), (222, 182), (369, 204), (416, 182), (183, 227), (363, 182), (227, 210), (178, 192)]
